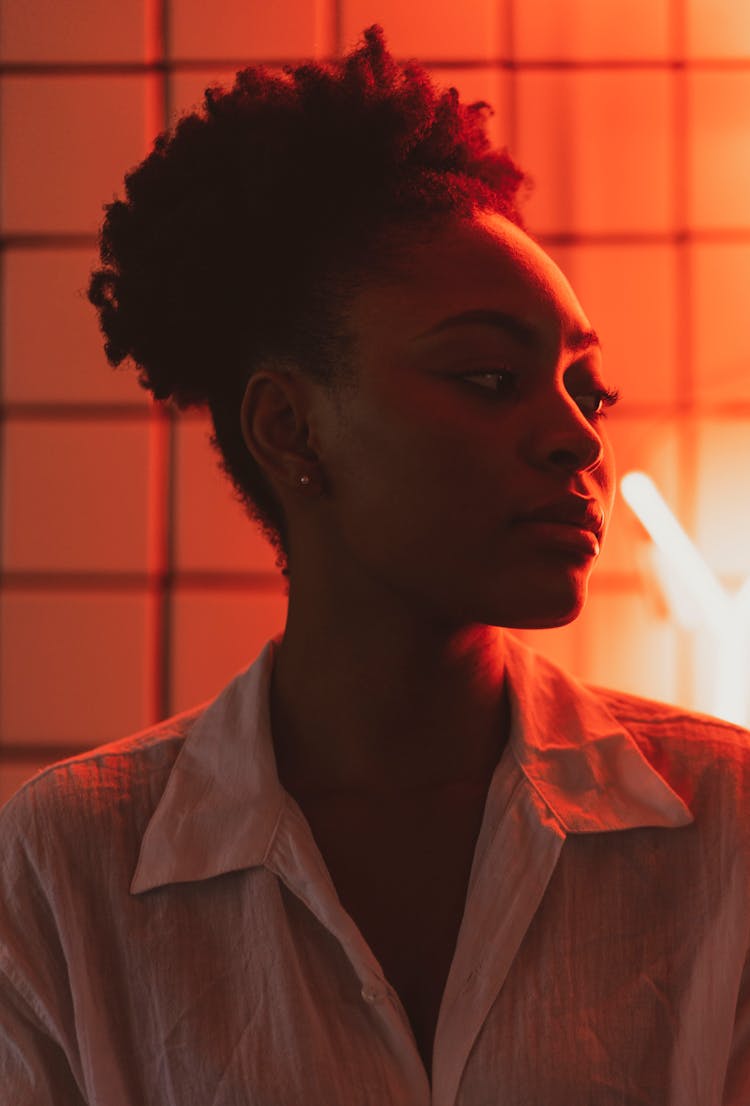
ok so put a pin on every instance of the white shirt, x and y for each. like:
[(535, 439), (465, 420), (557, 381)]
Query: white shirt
[(170, 935)]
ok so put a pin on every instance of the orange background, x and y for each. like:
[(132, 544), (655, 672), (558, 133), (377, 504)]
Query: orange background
[(132, 586)]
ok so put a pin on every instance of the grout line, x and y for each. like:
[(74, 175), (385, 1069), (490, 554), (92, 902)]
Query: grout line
[(186, 65), (159, 576), (338, 28), (52, 240), (14, 752), (513, 107), (165, 629), (3, 435), (60, 412), (162, 476), (38, 580), (45, 240), (683, 344), (154, 583), (156, 77)]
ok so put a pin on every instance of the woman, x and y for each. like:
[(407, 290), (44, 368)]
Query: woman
[(400, 859)]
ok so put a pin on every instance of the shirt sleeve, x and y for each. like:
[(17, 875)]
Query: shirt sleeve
[(33, 1068), (737, 1083), (37, 1025)]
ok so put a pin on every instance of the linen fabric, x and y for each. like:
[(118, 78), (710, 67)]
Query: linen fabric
[(170, 934)]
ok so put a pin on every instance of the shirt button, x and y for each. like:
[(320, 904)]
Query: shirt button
[(371, 994)]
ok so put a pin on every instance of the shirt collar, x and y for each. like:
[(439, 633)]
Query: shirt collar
[(581, 759), (223, 799)]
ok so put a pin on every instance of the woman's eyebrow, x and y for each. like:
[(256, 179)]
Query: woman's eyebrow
[(578, 341)]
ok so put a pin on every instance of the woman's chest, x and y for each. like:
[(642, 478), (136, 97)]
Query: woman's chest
[(403, 878)]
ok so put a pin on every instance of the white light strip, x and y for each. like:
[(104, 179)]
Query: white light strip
[(726, 618), (645, 500)]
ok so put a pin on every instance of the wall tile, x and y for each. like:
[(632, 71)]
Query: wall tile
[(722, 496), (630, 648), (213, 532), (52, 348), (710, 690), (577, 29), (649, 445), (598, 145), (586, 649), (218, 634), (561, 644), (430, 29), (717, 28), (719, 149), (235, 29), (75, 496), (76, 675), (66, 144), (77, 30), (14, 774), (720, 335), (629, 293)]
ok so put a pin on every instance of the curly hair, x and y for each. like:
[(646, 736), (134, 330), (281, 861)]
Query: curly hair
[(248, 223)]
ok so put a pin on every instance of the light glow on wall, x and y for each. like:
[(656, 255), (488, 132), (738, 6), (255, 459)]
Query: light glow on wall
[(698, 601)]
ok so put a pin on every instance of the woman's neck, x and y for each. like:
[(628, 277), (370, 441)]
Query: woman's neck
[(360, 705)]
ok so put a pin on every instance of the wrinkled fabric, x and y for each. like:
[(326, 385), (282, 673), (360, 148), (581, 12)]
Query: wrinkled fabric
[(170, 934)]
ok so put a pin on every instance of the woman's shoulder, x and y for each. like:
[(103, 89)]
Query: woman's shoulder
[(671, 719), (697, 753), (122, 780)]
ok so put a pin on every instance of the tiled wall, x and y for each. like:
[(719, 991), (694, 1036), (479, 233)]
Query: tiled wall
[(132, 585)]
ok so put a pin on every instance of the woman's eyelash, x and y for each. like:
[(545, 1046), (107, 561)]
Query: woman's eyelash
[(606, 397)]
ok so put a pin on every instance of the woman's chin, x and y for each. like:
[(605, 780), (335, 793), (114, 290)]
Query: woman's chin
[(548, 608)]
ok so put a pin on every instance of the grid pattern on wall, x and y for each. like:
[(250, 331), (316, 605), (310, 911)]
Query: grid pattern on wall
[(131, 584)]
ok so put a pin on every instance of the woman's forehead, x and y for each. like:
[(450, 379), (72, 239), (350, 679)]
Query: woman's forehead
[(485, 263)]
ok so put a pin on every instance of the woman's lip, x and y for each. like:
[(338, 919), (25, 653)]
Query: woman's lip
[(572, 510), (563, 534)]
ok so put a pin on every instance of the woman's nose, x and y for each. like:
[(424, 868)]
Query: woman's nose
[(569, 441)]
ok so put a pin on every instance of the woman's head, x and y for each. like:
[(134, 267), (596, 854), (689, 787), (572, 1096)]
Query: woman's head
[(479, 400), (247, 230), (291, 258)]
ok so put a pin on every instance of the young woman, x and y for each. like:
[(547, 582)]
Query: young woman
[(400, 859)]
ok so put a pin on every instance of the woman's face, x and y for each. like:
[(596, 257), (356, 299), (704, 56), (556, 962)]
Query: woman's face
[(478, 401)]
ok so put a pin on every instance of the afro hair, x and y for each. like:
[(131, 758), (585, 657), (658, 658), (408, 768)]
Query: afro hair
[(244, 226)]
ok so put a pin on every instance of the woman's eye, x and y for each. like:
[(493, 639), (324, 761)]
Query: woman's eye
[(499, 380), (504, 382), (593, 404)]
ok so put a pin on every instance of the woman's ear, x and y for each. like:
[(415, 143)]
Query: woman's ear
[(275, 422)]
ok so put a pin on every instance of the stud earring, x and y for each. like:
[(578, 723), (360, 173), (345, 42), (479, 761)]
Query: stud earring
[(304, 478)]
